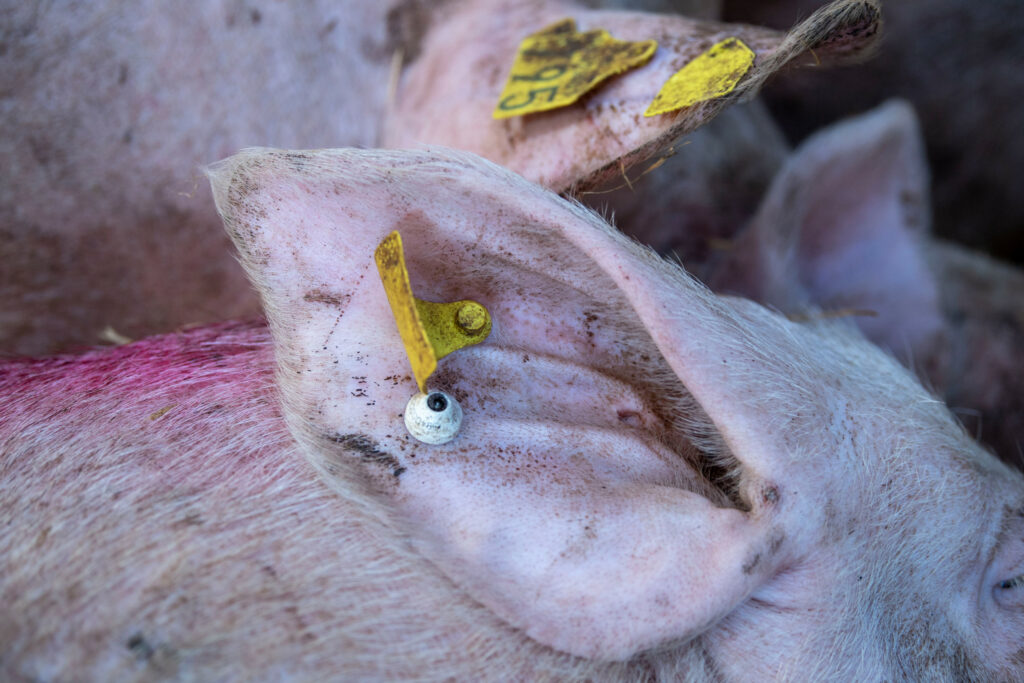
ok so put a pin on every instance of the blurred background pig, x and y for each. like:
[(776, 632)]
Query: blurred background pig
[(959, 63), (110, 108), (845, 229), (651, 482)]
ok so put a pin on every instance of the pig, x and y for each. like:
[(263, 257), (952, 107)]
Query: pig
[(651, 481), (845, 226), (959, 63), (112, 107), (579, 148), (109, 108)]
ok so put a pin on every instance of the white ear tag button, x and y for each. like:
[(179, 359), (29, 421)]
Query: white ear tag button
[(433, 418)]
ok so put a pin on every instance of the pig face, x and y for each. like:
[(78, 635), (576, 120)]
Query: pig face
[(644, 468)]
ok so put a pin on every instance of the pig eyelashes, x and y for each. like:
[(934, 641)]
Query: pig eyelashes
[(1015, 582)]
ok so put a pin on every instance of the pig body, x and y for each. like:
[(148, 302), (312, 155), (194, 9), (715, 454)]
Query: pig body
[(651, 481), (111, 108), (980, 374), (161, 524)]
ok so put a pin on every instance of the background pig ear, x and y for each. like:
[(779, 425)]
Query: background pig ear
[(453, 81), (843, 228), (570, 503)]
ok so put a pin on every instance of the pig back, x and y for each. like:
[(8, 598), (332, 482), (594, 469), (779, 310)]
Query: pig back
[(160, 524)]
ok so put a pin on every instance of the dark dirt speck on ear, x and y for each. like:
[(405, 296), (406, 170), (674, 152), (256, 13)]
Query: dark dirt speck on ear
[(161, 660), (139, 647), (369, 451), (329, 298), (778, 538)]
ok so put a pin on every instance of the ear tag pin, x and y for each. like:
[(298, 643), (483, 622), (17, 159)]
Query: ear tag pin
[(430, 331)]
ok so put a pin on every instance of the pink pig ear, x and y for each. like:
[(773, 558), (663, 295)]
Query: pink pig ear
[(448, 92), (574, 503), (843, 228)]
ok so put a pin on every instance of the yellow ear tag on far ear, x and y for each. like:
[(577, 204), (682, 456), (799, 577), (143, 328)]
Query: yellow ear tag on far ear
[(709, 75), (430, 331), (558, 65)]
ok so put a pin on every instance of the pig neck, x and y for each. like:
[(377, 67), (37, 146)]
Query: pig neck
[(219, 542)]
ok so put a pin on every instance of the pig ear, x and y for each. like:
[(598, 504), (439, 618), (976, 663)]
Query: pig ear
[(842, 229), (570, 503), (451, 86)]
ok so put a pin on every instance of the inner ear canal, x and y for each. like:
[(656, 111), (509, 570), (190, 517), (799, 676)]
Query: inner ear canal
[(696, 436), (557, 353)]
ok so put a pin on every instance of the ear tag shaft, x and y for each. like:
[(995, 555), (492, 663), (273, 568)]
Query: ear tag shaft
[(430, 331)]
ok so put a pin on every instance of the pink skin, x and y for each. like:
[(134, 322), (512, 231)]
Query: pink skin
[(112, 107), (578, 145), (574, 533), (153, 93), (720, 493), (846, 226), (583, 145)]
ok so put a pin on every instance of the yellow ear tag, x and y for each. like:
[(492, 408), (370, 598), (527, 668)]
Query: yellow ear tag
[(709, 75), (430, 331), (557, 65)]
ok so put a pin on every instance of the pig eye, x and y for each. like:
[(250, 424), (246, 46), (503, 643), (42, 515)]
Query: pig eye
[(433, 418), (1016, 582), (1009, 593)]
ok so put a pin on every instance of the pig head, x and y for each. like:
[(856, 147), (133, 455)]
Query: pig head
[(647, 472), (845, 228)]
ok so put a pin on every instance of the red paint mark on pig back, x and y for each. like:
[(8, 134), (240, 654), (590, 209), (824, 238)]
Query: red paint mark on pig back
[(145, 376), (139, 361)]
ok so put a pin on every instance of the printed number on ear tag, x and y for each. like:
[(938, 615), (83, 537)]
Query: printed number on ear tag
[(430, 331), (557, 65), (709, 75)]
